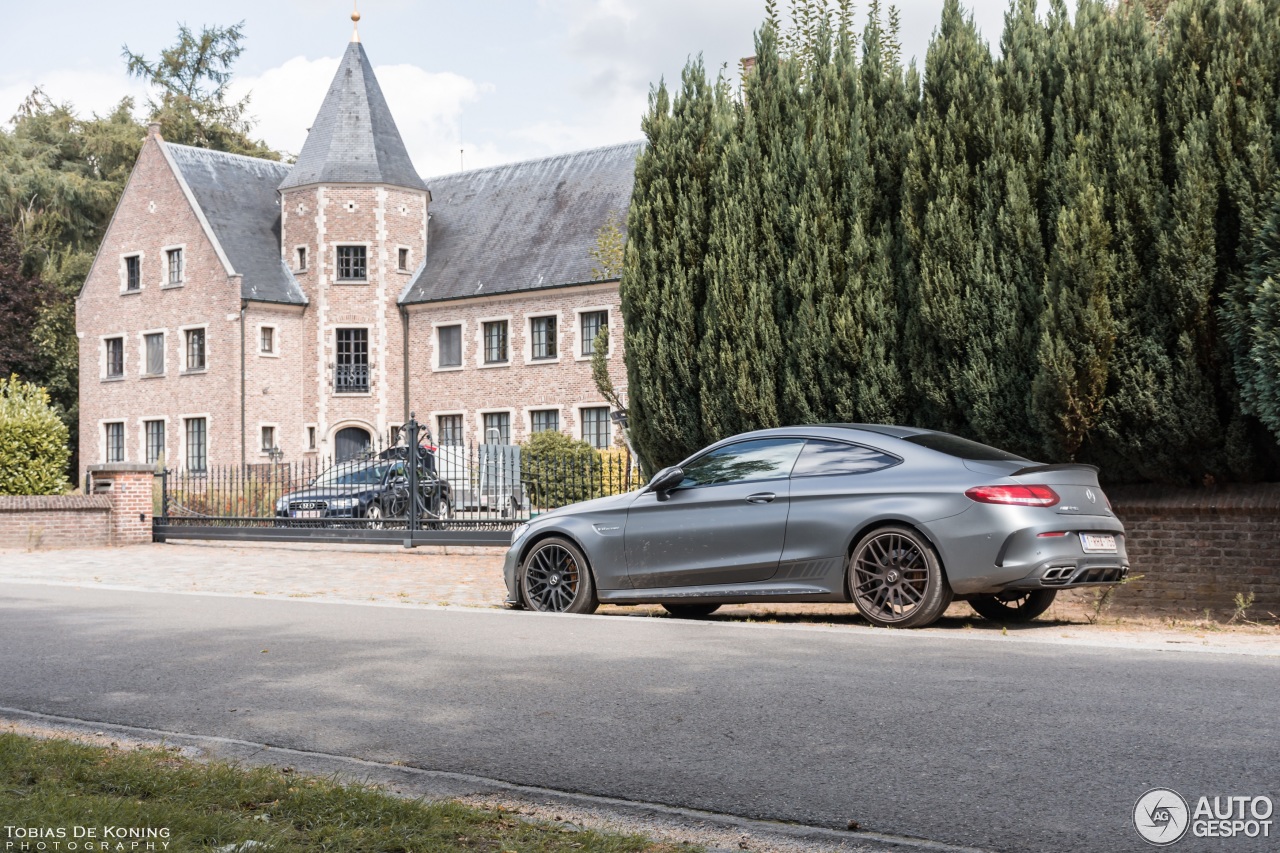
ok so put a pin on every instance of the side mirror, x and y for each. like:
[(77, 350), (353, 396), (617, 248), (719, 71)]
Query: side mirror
[(666, 480)]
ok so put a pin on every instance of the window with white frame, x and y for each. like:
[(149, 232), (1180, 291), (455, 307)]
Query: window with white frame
[(542, 337), (596, 428), (351, 371), (155, 440), (592, 323), (173, 263), (352, 263), (267, 340), (115, 357), (450, 430), (544, 420), (449, 341), (311, 438), (197, 445), (302, 258), (497, 428), (195, 350), (268, 439), (402, 257), (133, 272), (153, 346), (495, 342), (115, 441)]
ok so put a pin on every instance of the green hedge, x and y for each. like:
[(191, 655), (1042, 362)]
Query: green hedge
[(560, 470), (33, 441)]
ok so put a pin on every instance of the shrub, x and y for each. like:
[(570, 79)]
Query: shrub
[(33, 441), (559, 470)]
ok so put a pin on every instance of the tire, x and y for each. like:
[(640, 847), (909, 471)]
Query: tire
[(374, 518), (896, 579), (1014, 606), (555, 578), (691, 611), (444, 512)]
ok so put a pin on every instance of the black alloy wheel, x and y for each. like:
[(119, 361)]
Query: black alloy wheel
[(896, 579), (1014, 606), (555, 578)]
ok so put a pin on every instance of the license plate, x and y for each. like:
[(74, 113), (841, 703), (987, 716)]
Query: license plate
[(308, 513), (1098, 543)]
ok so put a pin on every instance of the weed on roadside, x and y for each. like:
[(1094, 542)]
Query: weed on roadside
[(59, 784)]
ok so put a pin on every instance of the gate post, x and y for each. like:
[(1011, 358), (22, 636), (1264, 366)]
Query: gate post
[(411, 454)]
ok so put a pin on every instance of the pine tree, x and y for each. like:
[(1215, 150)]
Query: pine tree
[(1261, 385)]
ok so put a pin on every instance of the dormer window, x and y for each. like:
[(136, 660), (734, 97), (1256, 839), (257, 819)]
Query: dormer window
[(352, 263)]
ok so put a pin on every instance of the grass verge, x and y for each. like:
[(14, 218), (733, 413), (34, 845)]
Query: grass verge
[(52, 785)]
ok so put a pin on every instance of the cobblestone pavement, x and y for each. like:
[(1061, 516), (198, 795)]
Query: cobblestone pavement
[(472, 577)]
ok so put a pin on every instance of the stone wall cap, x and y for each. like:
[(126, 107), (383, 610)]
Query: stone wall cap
[(36, 503), (122, 468), (1242, 499)]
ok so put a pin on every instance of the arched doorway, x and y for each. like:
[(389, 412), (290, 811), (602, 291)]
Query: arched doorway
[(351, 442)]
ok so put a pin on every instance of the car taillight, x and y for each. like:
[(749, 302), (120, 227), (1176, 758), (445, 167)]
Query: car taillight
[(1015, 495), (1052, 534)]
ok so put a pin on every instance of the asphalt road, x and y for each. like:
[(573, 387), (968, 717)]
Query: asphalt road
[(1004, 746)]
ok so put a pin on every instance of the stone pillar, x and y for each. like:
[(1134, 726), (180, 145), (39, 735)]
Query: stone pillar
[(129, 486)]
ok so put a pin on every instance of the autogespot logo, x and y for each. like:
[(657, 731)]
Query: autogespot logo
[(1161, 817)]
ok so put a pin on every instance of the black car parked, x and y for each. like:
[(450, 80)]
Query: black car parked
[(374, 491)]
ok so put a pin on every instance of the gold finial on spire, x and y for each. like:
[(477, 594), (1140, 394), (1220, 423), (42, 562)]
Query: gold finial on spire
[(355, 22)]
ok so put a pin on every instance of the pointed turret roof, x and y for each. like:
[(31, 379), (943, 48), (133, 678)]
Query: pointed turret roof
[(354, 139)]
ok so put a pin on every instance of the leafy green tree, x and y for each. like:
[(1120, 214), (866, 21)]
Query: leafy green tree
[(193, 106), (33, 441), (21, 298), (1261, 385), (607, 252)]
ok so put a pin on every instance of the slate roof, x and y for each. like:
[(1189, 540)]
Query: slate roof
[(238, 197), (522, 226), (354, 139)]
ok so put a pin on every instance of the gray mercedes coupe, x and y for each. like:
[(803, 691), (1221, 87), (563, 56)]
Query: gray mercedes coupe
[(898, 520)]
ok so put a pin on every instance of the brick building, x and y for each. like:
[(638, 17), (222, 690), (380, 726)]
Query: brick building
[(241, 308)]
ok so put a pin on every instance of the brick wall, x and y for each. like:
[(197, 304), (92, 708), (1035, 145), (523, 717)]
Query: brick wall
[(1197, 549), (57, 521)]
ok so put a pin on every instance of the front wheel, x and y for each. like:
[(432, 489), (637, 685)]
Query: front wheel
[(1014, 606), (691, 611), (896, 579), (555, 578)]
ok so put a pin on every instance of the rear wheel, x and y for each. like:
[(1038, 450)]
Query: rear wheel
[(691, 611), (1020, 605), (896, 579), (374, 518), (555, 578)]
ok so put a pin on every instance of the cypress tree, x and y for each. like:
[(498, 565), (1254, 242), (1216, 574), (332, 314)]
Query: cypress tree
[(740, 355), (1261, 383), (869, 321), (1076, 329), (997, 381), (949, 274), (663, 283)]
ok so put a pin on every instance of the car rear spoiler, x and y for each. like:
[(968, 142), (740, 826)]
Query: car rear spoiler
[(1062, 466)]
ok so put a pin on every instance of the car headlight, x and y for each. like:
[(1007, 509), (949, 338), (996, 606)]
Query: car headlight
[(518, 532), (282, 504)]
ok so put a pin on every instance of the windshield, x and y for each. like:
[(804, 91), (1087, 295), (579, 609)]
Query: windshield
[(962, 448), (354, 474)]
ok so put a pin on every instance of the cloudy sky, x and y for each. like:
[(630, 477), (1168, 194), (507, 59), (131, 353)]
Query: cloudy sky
[(497, 81)]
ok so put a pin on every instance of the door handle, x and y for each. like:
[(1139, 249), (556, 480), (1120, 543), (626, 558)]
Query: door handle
[(761, 498)]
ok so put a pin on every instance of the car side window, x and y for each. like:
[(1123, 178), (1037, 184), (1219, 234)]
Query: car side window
[(821, 458), (762, 459)]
